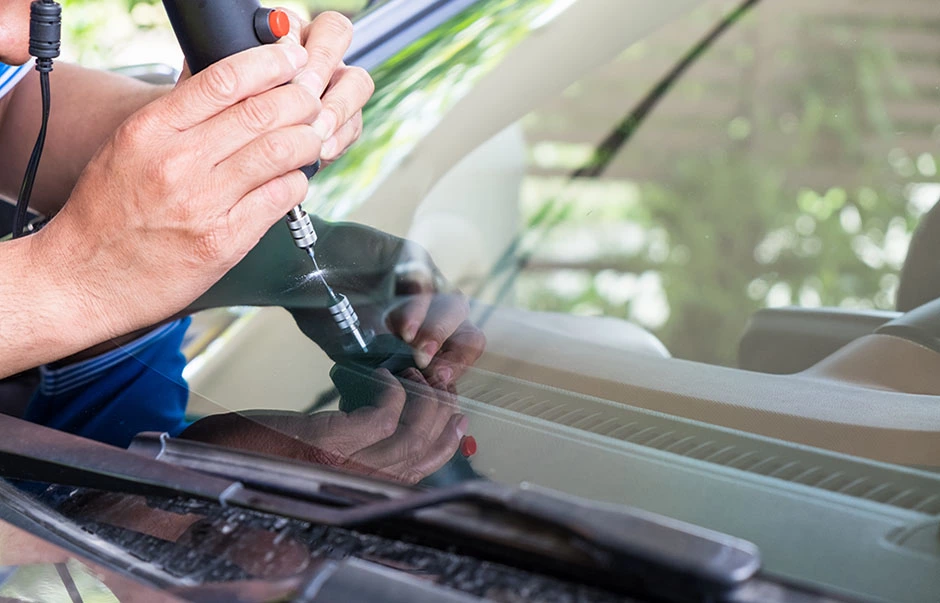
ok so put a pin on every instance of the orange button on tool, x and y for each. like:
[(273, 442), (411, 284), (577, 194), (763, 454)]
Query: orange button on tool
[(468, 446), (279, 23)]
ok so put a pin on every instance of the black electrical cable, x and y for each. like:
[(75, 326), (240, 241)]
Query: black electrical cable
[(26, 190), (45, 33)]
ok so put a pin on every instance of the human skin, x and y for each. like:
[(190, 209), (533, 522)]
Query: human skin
[(124, 152)]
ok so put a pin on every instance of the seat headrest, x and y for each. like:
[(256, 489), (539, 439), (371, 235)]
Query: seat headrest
[(920, 277)]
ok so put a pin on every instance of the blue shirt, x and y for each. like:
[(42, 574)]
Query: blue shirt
[(115, 396)]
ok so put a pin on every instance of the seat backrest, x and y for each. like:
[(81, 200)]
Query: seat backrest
[(920, 277)]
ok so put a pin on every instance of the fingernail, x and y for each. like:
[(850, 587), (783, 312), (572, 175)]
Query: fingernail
[(297, 55), (328, 148), (425, 354), (422, 359), (325, 124), (312, 82), (409, 332), (462, 425), (445, 374), (468, 446)]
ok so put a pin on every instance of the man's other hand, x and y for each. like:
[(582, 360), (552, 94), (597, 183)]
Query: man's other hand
[(406, 435)]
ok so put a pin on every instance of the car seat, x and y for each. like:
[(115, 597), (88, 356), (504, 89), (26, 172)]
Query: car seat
[(920, 277)]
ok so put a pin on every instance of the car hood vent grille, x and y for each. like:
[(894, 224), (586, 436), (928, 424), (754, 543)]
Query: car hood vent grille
[(886, 484)]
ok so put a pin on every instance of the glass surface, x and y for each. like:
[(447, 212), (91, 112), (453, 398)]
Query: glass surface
[(592, 276)]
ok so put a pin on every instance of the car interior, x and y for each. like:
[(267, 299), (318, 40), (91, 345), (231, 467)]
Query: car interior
[(829, 417), (830, 413), (832, 397)]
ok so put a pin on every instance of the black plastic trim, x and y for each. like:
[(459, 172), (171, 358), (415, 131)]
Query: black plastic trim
[(386, 29), (785, 341)]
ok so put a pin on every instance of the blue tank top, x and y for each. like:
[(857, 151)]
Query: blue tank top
[(10, 76)]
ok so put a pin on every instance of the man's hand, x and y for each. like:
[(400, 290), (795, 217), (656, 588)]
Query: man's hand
[(151, 222), (395, 287), (343, 89), (190, 183), (406, 435)]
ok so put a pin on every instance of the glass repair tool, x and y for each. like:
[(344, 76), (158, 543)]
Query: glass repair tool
[(211, 30)]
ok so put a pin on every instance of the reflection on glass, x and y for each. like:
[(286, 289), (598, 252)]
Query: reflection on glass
[(789, 166), (415, 90)]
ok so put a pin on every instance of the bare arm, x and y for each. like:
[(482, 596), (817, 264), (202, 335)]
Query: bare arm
[(87, 107)]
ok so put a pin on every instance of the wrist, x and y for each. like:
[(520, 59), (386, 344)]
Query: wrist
[(75, 310)]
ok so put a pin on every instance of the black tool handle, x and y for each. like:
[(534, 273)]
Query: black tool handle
[(357, 388), (211, 30)]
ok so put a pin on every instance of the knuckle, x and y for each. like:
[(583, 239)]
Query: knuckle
[(297, 188), (321, 56), (477, 338), (418, 440), (133, 131), (278, 149), (209, 247), (363, 80), (161, 172), (255, 114), (337, 24), (304, 102), (410, 476), (387, 425), (285, 192), (341, 108), (219, 82), (437, 332), (273, 194)]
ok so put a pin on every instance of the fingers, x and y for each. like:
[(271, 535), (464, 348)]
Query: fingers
[(227, 82), (237, 126), (420, 441), (428, 409), (253, 215), (445, 315), (417, 286), (326, 38), (459, 352), (406, 320), (347, 134), (267, 157), (437, 454), (349, 90), (385, 413)]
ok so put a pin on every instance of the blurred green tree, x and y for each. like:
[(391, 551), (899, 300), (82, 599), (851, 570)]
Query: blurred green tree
[(97, 31), (802, 197)]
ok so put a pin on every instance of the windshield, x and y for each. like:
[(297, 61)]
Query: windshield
[(554, 257)]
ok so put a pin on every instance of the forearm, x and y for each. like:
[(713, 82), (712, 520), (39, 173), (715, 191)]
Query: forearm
[(87, 106), (43, 316)]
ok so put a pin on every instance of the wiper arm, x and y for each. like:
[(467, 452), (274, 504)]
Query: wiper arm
[(622, 540), (672, 559)]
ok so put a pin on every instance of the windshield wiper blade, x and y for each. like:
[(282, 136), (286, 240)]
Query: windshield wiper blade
[(622, 540), (672, 559), (329, 582)]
